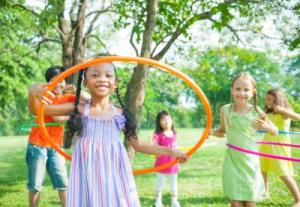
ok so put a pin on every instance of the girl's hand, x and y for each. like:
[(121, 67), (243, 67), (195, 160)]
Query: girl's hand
[(265, 125), (260, 124), (210, 133), (180, 155), (217, 133)]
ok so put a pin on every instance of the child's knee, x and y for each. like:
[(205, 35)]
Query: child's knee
[(36, 162), (57, 171)]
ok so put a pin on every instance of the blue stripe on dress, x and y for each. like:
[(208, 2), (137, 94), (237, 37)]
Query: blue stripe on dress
[(101, 174)]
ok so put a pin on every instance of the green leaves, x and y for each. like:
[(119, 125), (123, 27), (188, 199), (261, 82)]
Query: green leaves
[(19, 65), (217, 67)]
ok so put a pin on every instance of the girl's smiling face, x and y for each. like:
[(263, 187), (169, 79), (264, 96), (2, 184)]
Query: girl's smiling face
[(100, 80), (242, 90)]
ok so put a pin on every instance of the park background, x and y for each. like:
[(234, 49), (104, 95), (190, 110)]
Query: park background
[(211, 41)]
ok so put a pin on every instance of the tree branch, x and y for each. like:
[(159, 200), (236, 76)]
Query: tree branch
[(132, 43), (160, 42), (71, 14), (35, 14), (100, 11), (178, 31), (79, 41), (234, 31), (26, 9), (260, 33), (92, 23), (101, 42), (44, 40), (62, 26)]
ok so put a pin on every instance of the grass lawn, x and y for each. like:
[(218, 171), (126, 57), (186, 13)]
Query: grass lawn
[(199, 180)]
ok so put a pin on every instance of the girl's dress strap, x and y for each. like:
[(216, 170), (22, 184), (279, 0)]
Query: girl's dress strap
[(86, 107), (116, 111)]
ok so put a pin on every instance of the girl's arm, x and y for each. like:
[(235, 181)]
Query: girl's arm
[(60, 118), (151, 139), (64, 109), (265, 125), (221, 131), (287, 113), (156, 149)]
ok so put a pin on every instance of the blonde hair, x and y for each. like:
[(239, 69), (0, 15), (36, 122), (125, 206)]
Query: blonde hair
[(246, 75), (280, 100)]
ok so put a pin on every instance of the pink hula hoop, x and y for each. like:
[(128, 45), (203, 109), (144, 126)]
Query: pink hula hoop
[(240, 149), (280, 144)]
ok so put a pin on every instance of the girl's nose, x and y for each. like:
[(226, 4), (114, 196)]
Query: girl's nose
[(101, 78)]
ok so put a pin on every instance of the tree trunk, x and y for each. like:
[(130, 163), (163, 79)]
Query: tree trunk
[(73, 44), (135, 92), (67, 52), (79, 43)]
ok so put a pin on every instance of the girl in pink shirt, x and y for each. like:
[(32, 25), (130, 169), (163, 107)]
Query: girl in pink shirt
[(165, 135)]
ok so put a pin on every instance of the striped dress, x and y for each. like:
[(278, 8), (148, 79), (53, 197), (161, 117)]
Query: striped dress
[(101, 174)]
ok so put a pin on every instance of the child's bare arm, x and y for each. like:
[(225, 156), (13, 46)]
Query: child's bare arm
[(151, 139), (64, 109), (61, 118), (221, 131), (287, 113), (157, 150)]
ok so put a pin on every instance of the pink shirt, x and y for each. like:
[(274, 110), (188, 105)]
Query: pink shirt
[(170, 142)]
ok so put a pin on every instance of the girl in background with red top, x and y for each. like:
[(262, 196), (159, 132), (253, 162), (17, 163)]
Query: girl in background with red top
[(165, 135)]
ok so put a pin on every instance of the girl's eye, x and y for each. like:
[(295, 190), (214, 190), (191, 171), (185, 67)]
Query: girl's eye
[(94, 75), (109, 75)]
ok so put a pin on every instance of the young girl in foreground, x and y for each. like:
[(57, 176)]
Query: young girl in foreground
[(242, 179), (101, 173)]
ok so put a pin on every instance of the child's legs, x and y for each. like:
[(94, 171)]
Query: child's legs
[(265, 176), (173, 185), (36, 158), (292, 186), (234, 203), (57, 171), (34, 199), (159, 184), (249, 204), (62, 197)]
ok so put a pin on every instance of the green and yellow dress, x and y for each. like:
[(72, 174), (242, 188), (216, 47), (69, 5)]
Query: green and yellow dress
[(242, 178), (278, 167)]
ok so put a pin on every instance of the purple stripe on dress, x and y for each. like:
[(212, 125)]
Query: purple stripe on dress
[(101, 174)]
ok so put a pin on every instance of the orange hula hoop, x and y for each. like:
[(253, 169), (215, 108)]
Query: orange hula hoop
[(138, 60)]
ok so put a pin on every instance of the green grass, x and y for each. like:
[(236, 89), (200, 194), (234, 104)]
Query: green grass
[(199, 180)]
